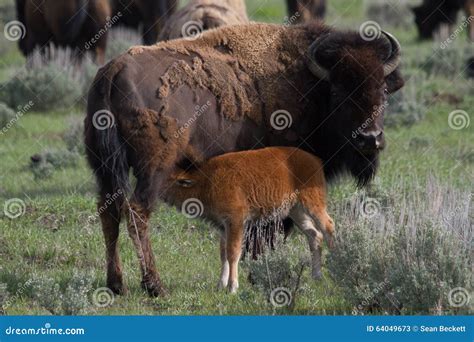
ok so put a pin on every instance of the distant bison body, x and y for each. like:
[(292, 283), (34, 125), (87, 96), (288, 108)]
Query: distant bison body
[(79, 24), (149, 15), (301, 11), (236, 88), (200, 15), (431, 15)]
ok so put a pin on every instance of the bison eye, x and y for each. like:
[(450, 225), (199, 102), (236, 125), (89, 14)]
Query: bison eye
[(385, 91)]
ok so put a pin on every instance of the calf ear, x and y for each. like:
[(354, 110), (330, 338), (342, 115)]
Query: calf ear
[(185, 183), (394, 81)]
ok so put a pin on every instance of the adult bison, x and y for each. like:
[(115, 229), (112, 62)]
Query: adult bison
[(79, 24), (201, 15), (236, 88), (432, 14), (150, 15), (303, 11)]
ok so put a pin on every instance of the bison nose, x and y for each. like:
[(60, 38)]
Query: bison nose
[(370, 140)]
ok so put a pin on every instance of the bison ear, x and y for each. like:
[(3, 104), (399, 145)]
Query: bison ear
[(185, 183), (394, 81)]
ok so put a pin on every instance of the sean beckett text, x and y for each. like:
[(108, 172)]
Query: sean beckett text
[(443, 328)]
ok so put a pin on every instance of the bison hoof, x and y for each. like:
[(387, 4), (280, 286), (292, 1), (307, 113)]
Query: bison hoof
[(116, 286), (154, 288)]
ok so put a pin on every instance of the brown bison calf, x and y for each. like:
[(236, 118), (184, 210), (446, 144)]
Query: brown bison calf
[(256, 187)]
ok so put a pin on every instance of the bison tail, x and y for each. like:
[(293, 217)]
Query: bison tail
[(105, 147)]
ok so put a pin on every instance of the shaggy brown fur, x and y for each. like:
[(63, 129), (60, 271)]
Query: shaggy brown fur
[(201, 15), (71, 23), (303, 11), (432, 14), (256, 186), (192, 100), (150, 15)]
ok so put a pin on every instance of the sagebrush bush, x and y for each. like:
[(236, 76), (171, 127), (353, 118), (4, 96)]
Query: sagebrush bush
[(49, 87), (449, 61), (408, 106), (279, 268), (45, 163), (73, 299), (7, 12), (56, 80), (120, 40), (397, 14), (398, 259), (6, 114), (73, 137)]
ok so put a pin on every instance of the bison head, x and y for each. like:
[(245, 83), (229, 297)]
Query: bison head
[(360, 73)]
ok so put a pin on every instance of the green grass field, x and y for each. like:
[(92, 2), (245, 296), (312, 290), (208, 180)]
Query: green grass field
[(57, 246)]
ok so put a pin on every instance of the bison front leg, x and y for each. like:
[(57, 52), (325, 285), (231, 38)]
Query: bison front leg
[(138, 217)]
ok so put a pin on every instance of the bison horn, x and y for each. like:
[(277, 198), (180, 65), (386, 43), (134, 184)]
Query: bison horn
[(393, 61), (317, 69)]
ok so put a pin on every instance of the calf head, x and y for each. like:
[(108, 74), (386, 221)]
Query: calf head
[(360, 74)]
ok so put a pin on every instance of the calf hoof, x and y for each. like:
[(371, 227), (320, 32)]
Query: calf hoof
[(221, 285), (233, 287), (154, 288)]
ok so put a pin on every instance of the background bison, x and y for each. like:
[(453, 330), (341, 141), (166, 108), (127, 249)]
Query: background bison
[(149, 15), (68, 23), (200, 15), (432, 14), (306, 10)]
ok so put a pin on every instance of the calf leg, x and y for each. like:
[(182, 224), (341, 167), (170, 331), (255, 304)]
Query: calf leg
[(307, 225), (234, 236), (224, 278)]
